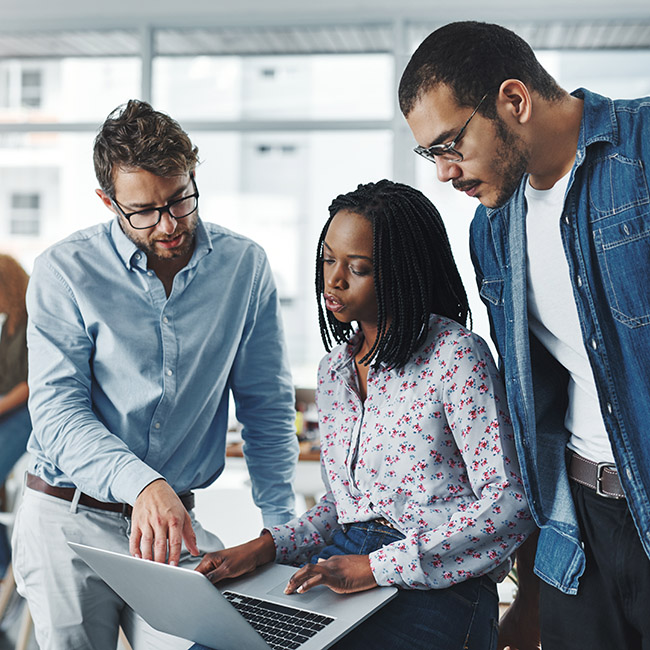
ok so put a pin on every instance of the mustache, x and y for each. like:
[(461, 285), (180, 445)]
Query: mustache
[(464, 185)]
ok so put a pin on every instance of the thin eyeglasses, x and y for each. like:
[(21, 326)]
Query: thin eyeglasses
[(448, 150)]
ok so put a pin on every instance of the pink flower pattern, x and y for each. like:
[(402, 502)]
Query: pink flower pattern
[(431, 450)]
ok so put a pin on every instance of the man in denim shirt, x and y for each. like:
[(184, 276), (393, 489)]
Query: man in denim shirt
[(139, 330), (561, 246)]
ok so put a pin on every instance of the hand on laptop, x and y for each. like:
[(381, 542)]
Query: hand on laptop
[(160, 523), (343, 574), (238, 560)]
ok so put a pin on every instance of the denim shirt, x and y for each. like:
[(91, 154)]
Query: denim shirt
[(128, 385), (605, 229)]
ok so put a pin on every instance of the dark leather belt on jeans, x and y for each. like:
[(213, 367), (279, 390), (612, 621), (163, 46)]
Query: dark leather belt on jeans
[(601, 477), (67, 494)]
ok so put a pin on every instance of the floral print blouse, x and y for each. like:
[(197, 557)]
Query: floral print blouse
[(431, 451)]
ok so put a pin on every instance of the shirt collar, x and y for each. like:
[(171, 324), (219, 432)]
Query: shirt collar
[(598, 124), (133, 257), (343, 355)]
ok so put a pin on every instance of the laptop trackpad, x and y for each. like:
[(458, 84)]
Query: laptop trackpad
[(297, 599)]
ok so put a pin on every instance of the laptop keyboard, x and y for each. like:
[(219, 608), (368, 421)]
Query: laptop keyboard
[(283, 628)]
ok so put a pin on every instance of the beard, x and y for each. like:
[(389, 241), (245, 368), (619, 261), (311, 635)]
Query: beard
[(148, 245), (510, 164)]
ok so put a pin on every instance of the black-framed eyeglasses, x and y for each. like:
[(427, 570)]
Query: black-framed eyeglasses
[(150, 217), (448, 150)]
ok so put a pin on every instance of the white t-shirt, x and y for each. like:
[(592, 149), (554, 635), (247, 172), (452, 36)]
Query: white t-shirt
[(553, 318)]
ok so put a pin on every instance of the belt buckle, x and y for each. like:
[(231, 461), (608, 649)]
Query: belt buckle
[(600, 470)]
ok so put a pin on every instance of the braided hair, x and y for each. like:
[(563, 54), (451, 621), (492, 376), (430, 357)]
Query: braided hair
[(414, 271)]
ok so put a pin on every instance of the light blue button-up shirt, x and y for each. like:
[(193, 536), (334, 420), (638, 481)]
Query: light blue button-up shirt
[(128, 385)]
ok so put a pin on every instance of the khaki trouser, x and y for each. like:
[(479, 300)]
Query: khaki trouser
[(72, 608)]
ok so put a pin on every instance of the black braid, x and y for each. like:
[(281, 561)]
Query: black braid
[(415, 272)]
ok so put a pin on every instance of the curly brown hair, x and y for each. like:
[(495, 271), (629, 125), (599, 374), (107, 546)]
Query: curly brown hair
[(135, 135), (13, 285)]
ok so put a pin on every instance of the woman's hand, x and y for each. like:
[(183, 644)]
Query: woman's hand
[(343, 574), (235, 561)]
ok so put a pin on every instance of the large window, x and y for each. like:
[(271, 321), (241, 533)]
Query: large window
[(285, 119), (327, 87)]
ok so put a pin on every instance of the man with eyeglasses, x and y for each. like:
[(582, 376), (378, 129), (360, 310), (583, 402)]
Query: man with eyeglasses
[(139, 330), (561, 245)]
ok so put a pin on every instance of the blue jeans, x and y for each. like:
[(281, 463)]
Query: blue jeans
[(15, 428), (462, 617)]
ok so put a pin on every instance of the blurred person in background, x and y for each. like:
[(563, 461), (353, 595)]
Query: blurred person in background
[(15, 425)]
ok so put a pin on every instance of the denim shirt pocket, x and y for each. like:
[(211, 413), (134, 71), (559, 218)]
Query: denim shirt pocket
[(618, 188), (619, 202), (624, 253), (491, 292)]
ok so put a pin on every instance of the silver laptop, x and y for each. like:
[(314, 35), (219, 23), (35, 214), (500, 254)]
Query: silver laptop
[(251, 612)]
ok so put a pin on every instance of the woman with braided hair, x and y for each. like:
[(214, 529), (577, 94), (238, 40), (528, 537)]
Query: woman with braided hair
[(422, 484)]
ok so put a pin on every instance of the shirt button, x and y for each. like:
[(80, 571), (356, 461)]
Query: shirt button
[(579, 281), (594, 345), (169, 372), (165, 319), (609, 408), (566, 219), (137, 256), (628, 473), (157, 425), (149, 273)]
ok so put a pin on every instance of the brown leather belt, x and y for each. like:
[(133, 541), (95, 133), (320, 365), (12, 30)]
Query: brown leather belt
[(601, 477), (67, 494)]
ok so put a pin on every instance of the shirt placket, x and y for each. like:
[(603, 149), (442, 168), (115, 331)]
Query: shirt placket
[(350, 380), (168, 366)]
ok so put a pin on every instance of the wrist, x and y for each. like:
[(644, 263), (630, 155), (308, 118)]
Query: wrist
[(264, 548)]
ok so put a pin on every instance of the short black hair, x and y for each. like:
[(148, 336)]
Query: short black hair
[(415, 274), (473, 58)]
